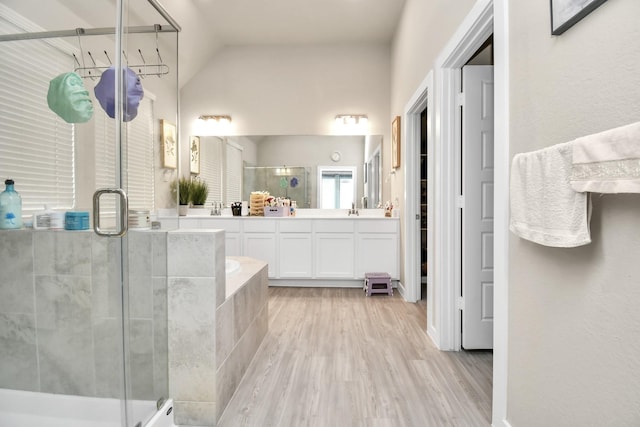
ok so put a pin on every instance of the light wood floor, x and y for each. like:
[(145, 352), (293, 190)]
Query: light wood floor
[(334, 357)]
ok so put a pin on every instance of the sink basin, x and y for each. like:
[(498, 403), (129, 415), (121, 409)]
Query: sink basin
[(231, 266)]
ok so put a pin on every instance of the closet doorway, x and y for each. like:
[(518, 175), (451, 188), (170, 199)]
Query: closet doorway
[(423, 206)]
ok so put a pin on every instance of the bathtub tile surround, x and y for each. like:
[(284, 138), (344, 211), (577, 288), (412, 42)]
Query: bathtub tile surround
[(60, 313), (241, 326), (60, 323), (19, 366), (191, 338), (192, 274), (160, 334), (65, 333), (215, 323), (17, 270), (183, 262), (62, 253), (108, 356)]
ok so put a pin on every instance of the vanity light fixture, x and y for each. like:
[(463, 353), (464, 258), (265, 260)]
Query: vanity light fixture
[(212, 125), (221, 119), (283, 171), (352, 119)]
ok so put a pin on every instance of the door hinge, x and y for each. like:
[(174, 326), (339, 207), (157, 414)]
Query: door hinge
[(460, 99), (460, 202), (460, 303), (418, 217)]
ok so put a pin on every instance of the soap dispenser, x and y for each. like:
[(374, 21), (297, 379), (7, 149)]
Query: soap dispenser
[(10, 207)]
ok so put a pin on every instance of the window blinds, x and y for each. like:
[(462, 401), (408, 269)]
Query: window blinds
[(211, 166), (137, 157), (36, 146), (221, 168)]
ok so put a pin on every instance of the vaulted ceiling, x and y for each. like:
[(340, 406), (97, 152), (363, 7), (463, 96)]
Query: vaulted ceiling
[(208, 25)]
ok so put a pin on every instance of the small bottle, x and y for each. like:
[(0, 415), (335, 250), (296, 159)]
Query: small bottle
[(294, 206), (10, 207)]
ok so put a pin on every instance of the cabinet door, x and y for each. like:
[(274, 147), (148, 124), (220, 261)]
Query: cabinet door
[(295, 255), (261, 246), (377, 252), (232, 243), (334, 255)]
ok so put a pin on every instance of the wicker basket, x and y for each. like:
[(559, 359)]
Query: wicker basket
[(257, 201)]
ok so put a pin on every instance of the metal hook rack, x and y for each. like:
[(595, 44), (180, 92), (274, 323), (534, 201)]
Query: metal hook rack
[(141, 70), (159, 69)]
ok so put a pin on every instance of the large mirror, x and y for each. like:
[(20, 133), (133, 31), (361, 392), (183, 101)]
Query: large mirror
[(317, 171)]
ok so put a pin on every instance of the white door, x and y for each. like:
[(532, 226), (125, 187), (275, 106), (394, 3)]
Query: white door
[(477, 213)]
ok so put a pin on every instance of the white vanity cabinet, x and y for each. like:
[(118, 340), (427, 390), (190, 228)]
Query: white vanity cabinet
[(377, 247), (232, 232), (334, 244), (295, 249), (259, 241), (327, 251)]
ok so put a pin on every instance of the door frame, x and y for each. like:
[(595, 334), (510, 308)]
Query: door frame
[(485, 18)]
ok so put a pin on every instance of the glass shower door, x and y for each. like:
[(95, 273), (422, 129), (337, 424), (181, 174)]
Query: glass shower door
[(82, 315)]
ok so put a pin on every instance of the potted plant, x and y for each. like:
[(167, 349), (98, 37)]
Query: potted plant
[(182, 187), (199, 193)]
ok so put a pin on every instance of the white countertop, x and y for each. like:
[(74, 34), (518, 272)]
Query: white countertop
[(300, 214)]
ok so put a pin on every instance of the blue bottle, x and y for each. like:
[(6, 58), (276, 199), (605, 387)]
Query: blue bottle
[(10, 207)]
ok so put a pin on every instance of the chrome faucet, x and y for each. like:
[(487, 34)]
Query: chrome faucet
[(353, 209), (216, 208)]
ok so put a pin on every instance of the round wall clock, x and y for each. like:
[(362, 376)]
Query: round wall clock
[(336, 156)]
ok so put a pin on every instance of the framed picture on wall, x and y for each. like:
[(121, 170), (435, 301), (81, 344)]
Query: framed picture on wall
[(565, 13), (395, 142), (194, 152), (169, 140)]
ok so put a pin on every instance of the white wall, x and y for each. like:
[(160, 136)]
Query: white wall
[(425, 28), (574, 322), (291, 90)]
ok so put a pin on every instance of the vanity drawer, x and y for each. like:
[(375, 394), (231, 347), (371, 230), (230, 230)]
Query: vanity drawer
[(252, 225), (334, 226), (295, 226), (229, 225), (377, 225)]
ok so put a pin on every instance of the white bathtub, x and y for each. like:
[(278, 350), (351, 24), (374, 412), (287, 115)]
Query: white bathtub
[(31, 409), (238, 270)]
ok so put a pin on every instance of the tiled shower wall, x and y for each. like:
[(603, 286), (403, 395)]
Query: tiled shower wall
[(60, 313)]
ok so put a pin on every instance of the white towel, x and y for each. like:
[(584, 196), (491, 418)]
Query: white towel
[(608, 162), (544, 207)]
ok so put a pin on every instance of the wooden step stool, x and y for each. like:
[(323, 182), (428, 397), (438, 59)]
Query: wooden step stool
[(377, 283)]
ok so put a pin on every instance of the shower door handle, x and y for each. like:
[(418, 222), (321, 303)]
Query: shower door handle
[(121, 214)]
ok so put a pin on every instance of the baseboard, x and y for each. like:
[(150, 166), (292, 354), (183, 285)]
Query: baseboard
[(501, 423), (433, 334), (319, 283), (400, 287)]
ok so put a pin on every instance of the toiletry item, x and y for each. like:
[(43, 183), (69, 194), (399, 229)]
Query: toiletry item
[(76, 220), (244, 211), (42, 219), (139, 219), (236, 208), (10, 207), (293, 208), (56, 220)]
